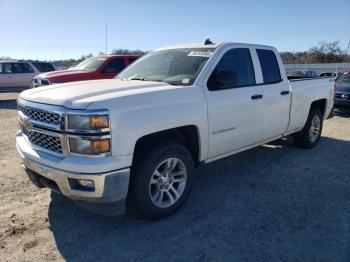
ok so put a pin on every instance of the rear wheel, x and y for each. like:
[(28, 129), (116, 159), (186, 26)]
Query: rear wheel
[(161, 180), (310, 134)]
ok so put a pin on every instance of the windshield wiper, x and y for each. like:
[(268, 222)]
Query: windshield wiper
[(147, 79)]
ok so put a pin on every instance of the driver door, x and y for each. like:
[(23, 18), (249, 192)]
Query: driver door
[(234, 104)]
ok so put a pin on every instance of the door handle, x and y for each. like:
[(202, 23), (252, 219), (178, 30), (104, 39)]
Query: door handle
[(10, 77), (283, 93), (255, 97)]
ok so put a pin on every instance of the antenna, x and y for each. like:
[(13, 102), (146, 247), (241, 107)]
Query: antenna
[(208, 42), (106, 39)]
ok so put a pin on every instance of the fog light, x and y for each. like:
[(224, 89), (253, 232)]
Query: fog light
[(86, 183), (81, 184)]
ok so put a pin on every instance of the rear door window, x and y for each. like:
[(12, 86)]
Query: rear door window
[(22, 68), (114, 66), (269, 66)]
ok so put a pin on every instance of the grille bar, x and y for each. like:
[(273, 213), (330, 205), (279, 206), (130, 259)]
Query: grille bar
[(48, 142), (40, 115)]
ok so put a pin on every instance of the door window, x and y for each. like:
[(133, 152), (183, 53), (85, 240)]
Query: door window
[(235, 69), (269, 66), (132, 59), (6, 68), (114, 66)]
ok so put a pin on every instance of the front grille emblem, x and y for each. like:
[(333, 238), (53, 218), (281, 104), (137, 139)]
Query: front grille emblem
[(26, 123)]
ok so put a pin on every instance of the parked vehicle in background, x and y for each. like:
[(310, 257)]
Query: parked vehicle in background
[(17, 75), (137, 139), (328, 74), (302, 74), (342, 91), (99, 67)]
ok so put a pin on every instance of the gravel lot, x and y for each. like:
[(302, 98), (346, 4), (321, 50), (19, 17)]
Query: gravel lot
[(272, 203)]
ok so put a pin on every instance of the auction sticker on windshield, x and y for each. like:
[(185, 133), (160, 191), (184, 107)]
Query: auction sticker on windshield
[(200, 53)]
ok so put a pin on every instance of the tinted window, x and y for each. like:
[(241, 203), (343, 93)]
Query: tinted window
[(269, 66), (235, 69), (114, 66), (6, 68), (44, 67), (22, 68), (132, 59)]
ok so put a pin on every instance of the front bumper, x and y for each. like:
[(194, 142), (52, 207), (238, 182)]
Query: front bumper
[(109, 186)]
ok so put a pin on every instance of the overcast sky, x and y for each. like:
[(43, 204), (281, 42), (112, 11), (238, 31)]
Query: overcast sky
[(47, 29)]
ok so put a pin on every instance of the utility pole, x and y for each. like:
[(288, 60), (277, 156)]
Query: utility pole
[(106, 40)]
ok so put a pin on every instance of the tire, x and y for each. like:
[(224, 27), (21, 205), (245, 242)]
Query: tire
[(308, 137), (161, 180)]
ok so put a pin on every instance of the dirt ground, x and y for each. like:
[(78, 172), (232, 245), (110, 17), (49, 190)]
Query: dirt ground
[(272, 203)]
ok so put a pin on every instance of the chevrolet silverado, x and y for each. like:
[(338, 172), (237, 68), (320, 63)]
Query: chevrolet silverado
[(135, 141)]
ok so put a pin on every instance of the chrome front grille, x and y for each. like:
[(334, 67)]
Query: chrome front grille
[(48, 142), (45, 127), (40, 115)]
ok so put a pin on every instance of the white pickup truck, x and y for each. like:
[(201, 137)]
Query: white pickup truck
[(135, 141)]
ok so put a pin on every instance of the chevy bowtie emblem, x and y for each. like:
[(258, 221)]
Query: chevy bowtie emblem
[(26, 123)]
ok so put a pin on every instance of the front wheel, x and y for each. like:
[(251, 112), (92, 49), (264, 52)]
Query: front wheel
[(310, 134), (161, 180)]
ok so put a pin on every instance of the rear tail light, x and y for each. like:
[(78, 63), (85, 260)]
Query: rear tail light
[(333, 92)]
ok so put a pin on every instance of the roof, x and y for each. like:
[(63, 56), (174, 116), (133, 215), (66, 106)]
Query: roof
[(121, 55), (191, 45), (213, 45)]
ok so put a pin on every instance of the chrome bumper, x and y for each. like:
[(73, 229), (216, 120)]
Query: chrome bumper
[(108, 187)]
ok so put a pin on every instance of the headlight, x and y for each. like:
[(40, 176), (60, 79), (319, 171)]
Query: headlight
[(89, 146), (87, 122)]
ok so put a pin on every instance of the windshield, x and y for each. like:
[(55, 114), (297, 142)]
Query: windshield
[(344, 79), (176, 67), (90, 64)]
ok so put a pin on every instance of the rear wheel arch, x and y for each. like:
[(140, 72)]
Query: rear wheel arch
[(320, 104)]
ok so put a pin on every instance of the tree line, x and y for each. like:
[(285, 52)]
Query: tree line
[(324, 52)]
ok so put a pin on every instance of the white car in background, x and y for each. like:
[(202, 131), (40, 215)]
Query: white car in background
[(16, 75)]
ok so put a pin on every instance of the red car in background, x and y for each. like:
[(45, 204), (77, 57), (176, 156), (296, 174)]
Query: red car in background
[(99, 67)]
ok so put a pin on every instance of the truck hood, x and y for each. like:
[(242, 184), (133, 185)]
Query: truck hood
[(78, 95)]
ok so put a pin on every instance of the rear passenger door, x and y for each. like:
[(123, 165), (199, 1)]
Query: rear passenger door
[(277, 95), (24, 74), (234, 103), (113, 67), (7, 76)]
